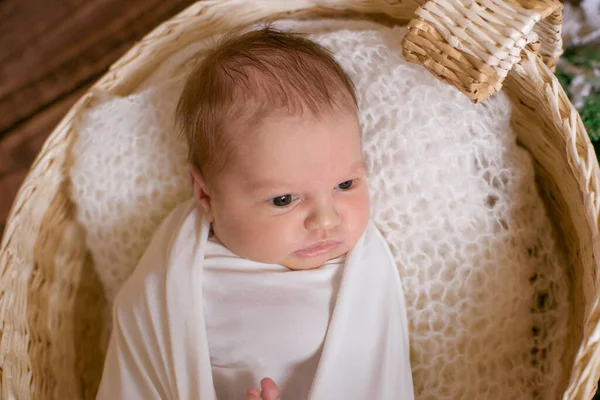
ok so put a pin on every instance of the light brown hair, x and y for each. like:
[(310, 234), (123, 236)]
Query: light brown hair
[(252, 74)]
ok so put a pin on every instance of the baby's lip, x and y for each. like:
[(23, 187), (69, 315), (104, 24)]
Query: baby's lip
[(317, 249)]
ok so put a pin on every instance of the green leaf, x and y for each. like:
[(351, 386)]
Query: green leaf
[(590, 115)]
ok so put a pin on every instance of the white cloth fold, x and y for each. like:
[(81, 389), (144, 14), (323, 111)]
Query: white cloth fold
[(159, 348), (292, 308)]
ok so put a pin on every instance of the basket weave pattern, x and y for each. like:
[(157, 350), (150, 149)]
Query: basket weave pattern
[(473, 45), (51, 302)]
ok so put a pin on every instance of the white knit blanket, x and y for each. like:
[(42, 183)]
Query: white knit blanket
[(452, 193)]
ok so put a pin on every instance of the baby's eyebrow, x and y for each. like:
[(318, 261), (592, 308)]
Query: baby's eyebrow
[(281, 186), (358, 166), (267, 185)]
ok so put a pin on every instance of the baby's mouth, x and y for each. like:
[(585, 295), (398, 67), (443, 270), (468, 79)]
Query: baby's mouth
[(317, 249)]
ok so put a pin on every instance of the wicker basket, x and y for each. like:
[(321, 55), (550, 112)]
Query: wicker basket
[(51, 302)]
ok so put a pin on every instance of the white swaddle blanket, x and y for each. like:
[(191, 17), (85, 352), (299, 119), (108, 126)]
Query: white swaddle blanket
[(159, 347)]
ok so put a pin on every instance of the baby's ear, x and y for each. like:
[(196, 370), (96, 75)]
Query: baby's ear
[(201, 193)]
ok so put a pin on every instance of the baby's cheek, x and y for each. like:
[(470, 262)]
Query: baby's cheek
[(279, 233), (358, 215), (285, 236), (266, 239), (240, 229)]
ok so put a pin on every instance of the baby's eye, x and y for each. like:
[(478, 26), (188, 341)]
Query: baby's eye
[(346, 185), (282, 201)]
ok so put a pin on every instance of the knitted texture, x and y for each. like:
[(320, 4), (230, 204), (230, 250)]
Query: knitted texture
[(452, 192)]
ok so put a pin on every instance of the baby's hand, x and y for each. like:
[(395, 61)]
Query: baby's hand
[(268, 391)]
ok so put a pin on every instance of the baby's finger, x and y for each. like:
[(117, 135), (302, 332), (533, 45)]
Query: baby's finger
[(269, 390), (253, 393)]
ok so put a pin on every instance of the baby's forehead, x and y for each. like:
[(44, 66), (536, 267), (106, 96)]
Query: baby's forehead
[(280, 142)]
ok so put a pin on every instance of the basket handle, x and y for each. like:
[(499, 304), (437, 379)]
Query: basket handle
[(472, 44)]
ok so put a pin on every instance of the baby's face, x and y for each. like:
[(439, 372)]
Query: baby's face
[(294, 191)]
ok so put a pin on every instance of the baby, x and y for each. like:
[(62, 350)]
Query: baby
[(274, 268)]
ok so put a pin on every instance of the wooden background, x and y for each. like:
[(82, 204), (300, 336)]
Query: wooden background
[(51, 51)]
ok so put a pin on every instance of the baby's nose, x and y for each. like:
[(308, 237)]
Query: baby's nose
[(323, 217)]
